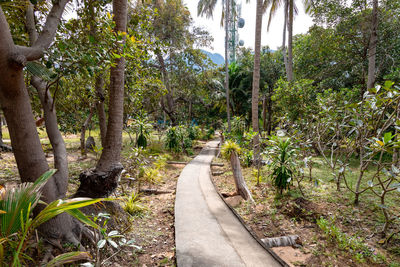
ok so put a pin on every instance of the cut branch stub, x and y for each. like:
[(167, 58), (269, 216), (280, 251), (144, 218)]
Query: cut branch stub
[(96, 184), (241, 186)]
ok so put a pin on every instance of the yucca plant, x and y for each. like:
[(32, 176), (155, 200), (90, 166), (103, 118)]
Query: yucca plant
[(16, 223), (282, 154)]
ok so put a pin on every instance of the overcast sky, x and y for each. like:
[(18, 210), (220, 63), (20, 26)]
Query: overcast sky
[(273, 38)]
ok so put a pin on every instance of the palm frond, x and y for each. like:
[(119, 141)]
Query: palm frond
[(68, 258), (18, 201), (39, 70), (206, 7)]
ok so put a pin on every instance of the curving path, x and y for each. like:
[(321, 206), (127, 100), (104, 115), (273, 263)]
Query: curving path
[(207, 233)]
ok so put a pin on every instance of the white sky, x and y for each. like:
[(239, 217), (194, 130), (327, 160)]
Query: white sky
[(273, 38)]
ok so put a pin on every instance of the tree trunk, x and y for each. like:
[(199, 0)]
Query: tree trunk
[(15, 102), (256, 81), (83, 132), (284, 37), (100, 109), (372, 46), (227, 14), (241, 187), (170, 107), (290, 42), (264, 112), (269, 111), (1, 132), (104, 179)]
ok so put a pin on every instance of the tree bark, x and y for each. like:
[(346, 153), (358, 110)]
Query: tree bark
[(256, 81), (112, 149), (103, 181), (372, 46), (101, 113), (241, 187), (264, 113), (83, 132), (284, 37), (15, 102), (227, 14), (170, 107), (290, 42)]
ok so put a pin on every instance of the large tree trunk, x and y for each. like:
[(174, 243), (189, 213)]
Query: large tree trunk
[(15, 102), (241, 187), (290, 42), (227, 14), (372, 46), (256, 81), (284, 37), (104, 179)]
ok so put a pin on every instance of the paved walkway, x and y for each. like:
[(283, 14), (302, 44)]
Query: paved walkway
[(207, 233)]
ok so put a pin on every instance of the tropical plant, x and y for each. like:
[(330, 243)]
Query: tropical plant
[(174, 137), (282, 155), (133, 205), (17, 225)]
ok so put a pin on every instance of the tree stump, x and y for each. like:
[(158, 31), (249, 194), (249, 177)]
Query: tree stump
[(96, 184)]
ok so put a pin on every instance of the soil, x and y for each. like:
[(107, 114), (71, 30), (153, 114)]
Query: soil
[(151, 230), (297, 215)]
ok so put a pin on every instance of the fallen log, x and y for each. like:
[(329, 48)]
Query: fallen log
[(184, 163), (218, 173), (177, 162), (282, 241), (150, 191)]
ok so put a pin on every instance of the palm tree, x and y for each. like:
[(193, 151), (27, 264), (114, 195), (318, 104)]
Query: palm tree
[(290, 10), (206, 7), (256, 80)]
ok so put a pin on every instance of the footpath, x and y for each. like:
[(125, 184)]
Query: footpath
[(207, 233)]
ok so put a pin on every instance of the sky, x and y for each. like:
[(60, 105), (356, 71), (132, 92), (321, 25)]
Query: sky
[(272, 38)]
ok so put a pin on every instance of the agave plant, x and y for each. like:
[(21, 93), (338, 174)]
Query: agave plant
[(16, 223)]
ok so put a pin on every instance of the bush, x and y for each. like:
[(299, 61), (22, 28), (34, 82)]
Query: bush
[(282, 154)]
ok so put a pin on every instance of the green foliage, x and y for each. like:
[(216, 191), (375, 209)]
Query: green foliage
[(17, 225), (193, 132), (174, 137), (229, 147), (178, 140), (352, 244), (282, 155), (133, 205)]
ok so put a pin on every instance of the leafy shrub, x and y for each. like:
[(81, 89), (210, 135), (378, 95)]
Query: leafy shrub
[(174, 137), (193, 132), (141, 128), (229, 147), (282, 154), (133, 205)]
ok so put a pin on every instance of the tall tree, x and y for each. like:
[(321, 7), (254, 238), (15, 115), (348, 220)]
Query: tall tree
[(15, 102), (372, 46), (104, 179), (256, 80), (206, 7), (290, 10)]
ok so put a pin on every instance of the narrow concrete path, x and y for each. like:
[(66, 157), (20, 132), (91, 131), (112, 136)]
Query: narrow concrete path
[(207, 233)]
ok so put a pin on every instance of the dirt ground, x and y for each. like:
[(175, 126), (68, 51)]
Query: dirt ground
[(151, 231), (271, 217)]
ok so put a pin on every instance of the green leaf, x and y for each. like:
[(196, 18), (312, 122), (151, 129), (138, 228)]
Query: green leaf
[(112, 243), (68, 258), (101, 243)]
